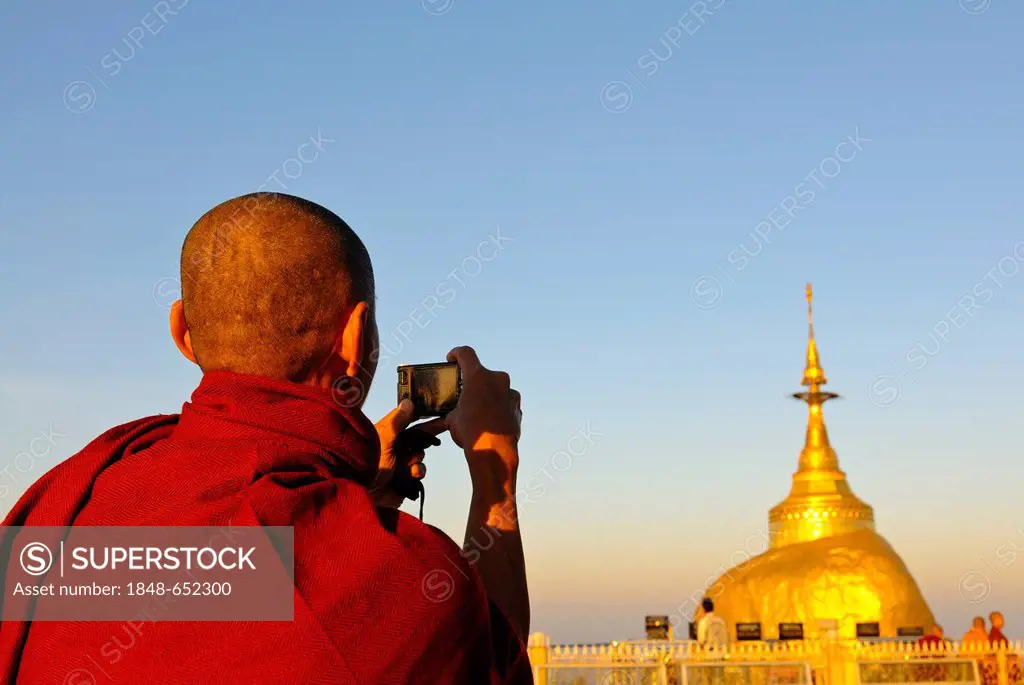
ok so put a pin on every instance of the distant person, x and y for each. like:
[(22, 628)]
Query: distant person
[(934, 639), (712, 631), (935, 643), (995, 636), (278, 312), (976, 640), (977, 634)]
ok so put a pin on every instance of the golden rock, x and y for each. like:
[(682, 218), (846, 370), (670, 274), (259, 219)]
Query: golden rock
[(825, 561)]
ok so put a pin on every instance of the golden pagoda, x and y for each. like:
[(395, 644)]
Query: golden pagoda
[(825, 562)]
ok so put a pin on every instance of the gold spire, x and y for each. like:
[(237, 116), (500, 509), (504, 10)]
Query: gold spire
[(813, 373), (820, 503)]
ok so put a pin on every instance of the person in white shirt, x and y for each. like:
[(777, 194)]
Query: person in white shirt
[(712, 631)]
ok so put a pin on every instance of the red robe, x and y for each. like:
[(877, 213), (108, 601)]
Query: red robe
[(929, 640), (252, 451)]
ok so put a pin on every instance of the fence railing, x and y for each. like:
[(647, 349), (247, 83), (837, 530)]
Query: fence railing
[(752, 673), (601, 673), (825, 661), (946, 671)]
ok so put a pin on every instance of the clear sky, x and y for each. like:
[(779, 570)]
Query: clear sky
[(664, 183)]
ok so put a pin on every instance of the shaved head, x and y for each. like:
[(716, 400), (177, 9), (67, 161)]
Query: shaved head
[(267, 283)]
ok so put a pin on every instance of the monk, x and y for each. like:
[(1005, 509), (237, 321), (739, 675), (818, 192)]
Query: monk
[(935, 644), (935, 639), (995, 636), (277, 310), (977, 634), (998, 640)]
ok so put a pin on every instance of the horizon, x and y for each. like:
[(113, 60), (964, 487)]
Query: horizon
[(618, 205)]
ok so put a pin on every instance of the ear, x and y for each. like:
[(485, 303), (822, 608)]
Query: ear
[(179, 332), (355, 339)]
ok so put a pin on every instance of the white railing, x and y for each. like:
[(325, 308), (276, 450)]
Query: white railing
[(827, 661)]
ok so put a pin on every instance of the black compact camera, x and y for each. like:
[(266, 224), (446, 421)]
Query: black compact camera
[(433, 388)]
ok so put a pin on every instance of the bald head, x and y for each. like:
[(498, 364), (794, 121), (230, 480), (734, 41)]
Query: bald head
[(267, 282)]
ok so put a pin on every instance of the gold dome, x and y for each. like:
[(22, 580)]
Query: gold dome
[(851, 578), (825, 560)]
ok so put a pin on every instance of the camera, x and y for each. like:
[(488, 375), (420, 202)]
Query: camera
[(433, 388)]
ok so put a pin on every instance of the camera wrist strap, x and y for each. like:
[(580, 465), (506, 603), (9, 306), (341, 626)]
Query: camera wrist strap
[(422, 496)]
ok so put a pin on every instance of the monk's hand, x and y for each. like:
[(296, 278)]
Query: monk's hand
[(393, 459), (487, 422)]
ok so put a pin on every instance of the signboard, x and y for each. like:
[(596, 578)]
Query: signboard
[(916, 631), (791, 631), (867, 630), (657, 627), (746, 632)]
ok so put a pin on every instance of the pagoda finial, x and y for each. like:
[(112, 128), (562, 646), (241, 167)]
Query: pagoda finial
[(810, 311), (820, 502), (814, 375), (818, 453)]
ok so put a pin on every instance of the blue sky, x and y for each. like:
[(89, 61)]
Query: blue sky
[(648, 170)]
